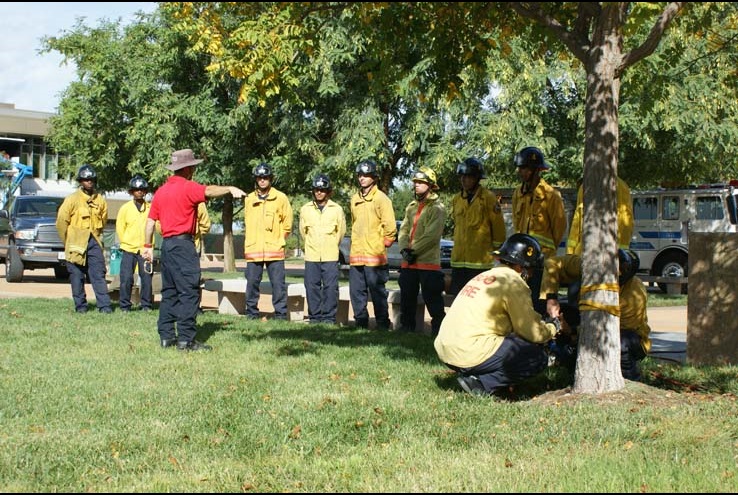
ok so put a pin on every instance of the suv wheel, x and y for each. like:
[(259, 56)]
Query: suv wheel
[(672, 265), (13, 265)]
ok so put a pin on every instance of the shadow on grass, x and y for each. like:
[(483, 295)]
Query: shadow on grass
[(306, 339), (302, 338), (298, 339)]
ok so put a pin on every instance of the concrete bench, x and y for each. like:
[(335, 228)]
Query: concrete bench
[(213, 257), (232, 298), (393, 301)]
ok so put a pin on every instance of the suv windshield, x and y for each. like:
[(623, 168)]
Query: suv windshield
[(37, 207)]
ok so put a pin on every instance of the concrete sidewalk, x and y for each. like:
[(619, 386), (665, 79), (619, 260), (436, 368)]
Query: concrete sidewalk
[(669, 346)]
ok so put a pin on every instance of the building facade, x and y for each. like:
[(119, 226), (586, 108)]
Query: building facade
[(22, 137)]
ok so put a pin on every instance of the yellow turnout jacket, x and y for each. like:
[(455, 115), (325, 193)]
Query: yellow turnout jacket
[(492, 305), (79, 217), (268, 223), (479, 229)]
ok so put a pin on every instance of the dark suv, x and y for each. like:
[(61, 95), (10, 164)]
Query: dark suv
[(28, 236), (394, 258)]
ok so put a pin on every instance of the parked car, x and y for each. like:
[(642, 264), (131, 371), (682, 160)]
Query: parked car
[(28, 236), (394, 258)]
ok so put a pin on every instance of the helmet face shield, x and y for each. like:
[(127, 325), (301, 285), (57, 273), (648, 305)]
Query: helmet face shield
[(138, 182), (367, 167), (420, 176), (471, 166), (86, 172), (322, 182), (263, 170), (530, 157), (426, 176)]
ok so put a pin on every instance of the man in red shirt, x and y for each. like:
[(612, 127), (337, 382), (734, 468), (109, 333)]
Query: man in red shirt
[(175, 207)]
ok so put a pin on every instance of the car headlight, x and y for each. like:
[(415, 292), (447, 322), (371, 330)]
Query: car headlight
[(27, 234)]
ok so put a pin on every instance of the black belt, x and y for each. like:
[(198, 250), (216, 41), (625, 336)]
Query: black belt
[(181, 236)]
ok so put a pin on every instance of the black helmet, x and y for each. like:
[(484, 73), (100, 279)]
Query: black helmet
[(86, 172), (471, 166), (521, 249), (531, 157), (263, 170), (629, 263), (321, 181), (137, 182), (367, 167)]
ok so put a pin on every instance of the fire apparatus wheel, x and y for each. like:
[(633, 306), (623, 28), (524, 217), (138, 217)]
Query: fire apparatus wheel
[(13, 265), (61, 272), (672, 265)]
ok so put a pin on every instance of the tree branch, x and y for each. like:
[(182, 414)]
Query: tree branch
[(579, 46), (653, 39)]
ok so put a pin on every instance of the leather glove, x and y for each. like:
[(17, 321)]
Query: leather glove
[(555, 322), (409, 255)]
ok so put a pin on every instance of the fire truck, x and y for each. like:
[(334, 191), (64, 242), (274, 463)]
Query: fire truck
[(664, 218)]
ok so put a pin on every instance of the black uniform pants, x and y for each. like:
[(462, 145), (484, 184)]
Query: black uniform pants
[(180, 289), (366, 281), (95, 270), (254, 274), (514, 361), (321, 290), (128, 264), (430, 283)]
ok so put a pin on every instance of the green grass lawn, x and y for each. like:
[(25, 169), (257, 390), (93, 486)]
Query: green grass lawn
[(91, 403)]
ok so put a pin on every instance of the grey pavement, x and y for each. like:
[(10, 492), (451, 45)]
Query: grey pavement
[(668, 333), (669, 346)]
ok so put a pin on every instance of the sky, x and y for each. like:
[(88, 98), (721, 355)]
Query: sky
[(32, 81)]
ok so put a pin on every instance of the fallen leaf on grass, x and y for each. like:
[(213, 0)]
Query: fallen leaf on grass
[(295, 433)]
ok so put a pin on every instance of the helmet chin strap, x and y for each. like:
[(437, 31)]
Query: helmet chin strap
[(421, 197)]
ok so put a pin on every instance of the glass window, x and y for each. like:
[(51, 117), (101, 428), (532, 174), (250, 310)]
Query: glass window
[(671, 208), (645, 208), (709, 208), (52, 167)]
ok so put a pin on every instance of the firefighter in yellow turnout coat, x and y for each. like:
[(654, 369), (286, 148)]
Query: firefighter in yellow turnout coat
[(491, 335), (80, 222), (635, 341), (373, 230), (624, 214), (537, 209), (130, 226), (322, 225), (626, 224), (268, 221), (479, 227)]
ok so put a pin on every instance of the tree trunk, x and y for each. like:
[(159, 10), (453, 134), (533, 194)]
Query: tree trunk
[(598, 362), (229, 258)]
